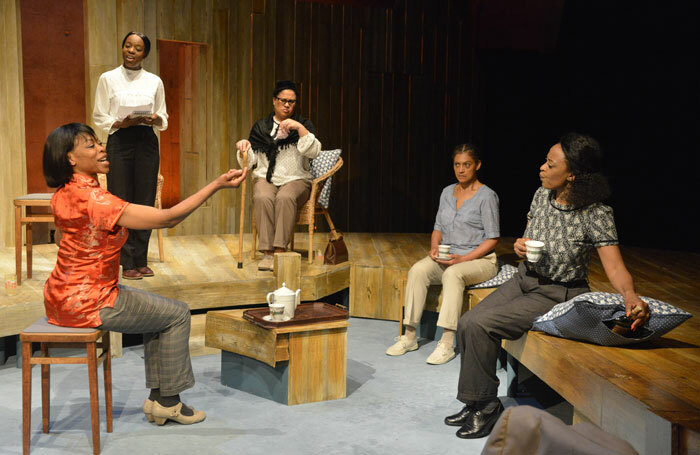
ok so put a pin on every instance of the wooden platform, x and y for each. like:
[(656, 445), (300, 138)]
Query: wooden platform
[(199, 270)]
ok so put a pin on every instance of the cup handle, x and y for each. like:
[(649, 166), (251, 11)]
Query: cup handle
[(268, 297)]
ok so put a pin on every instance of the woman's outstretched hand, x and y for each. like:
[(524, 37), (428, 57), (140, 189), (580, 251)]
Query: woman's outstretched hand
[(520, 248), (232, 179)]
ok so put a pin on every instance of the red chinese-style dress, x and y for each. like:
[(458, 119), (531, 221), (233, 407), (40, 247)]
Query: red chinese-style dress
[(87, 268)]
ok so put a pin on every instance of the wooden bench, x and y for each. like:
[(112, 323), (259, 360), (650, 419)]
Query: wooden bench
[(647, 395)]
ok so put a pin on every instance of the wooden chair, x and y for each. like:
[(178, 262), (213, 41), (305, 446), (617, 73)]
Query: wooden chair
[(28, 201), (51, 336), (102, 178), (307, 213)]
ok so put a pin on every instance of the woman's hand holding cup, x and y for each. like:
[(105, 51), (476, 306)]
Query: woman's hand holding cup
[(520, 248), (433, 253)]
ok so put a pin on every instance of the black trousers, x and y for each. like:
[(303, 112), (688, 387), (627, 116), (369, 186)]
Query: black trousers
[(507, 313), (134, 160)]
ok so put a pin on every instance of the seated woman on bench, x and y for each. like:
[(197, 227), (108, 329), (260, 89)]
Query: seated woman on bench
[(467, 220), (83, 289), (568, 215)]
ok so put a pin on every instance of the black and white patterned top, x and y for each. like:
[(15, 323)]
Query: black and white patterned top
[(569, 235)]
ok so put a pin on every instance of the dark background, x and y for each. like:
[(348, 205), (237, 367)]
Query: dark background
[(512, 76), (625, 73)]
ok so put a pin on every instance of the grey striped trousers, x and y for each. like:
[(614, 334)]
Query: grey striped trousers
[(165, 325)]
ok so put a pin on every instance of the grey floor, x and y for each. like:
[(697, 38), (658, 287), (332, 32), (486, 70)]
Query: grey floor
[(394, 405)]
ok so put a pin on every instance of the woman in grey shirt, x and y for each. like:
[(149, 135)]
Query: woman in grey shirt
[(467, 221)]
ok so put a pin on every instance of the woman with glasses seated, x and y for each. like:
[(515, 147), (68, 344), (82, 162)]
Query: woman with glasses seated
[(280, 146)]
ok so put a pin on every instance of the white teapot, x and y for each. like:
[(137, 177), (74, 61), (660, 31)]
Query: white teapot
[(286, 296)]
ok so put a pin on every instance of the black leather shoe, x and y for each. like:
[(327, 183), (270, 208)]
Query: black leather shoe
[(479, 423), (459, 419)]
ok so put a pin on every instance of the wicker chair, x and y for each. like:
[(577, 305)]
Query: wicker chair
[(307, 213), (102, 179)]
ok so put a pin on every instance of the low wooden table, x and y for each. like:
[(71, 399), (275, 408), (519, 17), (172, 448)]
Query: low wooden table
[(291, 365)]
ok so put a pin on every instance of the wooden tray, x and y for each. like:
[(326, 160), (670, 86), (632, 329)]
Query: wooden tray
[(306, 313)]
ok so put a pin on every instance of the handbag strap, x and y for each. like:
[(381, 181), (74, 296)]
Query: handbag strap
[(335, 235)]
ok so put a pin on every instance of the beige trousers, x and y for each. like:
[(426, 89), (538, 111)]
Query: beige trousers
[(453, 279), (275, 209)]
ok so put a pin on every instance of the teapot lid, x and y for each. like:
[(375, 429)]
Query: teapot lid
[(284, 290)]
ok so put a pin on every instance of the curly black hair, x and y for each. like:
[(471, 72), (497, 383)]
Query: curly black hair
[(584, 158)]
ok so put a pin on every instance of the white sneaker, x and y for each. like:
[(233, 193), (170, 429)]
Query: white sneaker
[(442, 354), (267, 262), (402, 346)]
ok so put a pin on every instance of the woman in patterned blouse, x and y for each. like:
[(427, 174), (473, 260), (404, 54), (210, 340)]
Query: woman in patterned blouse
[(83, 289), (568, 215)]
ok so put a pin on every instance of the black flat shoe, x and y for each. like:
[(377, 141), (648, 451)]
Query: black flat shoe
[(459, 419), (479, 423)]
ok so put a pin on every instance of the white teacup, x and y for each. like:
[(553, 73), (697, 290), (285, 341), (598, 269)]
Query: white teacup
[(534, 250), (277, 311), (443, 251)]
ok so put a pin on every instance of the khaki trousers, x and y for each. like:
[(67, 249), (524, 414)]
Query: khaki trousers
[(276, 211), (453, 279)]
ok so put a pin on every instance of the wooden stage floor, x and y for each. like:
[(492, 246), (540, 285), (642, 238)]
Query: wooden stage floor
[(202, 271)]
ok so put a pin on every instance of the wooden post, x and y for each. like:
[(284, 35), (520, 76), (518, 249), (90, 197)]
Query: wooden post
[(244, 154), (288, 270), (115, 342)]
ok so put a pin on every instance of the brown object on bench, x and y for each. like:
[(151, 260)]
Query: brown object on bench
[(51, 336)]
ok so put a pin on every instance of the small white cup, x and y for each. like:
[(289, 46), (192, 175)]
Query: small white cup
[(277, 311), (534, 250), (443, 251)]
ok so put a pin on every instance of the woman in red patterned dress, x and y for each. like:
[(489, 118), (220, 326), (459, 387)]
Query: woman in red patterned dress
[(83, 290)]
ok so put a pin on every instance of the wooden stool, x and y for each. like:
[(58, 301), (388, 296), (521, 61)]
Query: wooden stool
[(50, 336), (28, 201)]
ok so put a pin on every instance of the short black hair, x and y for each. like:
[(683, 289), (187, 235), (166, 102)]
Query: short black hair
[(284, 85), (584, 158), (57, 169), (468, 148), (144, 38)]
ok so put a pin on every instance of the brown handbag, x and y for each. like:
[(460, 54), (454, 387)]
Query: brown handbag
[(336, 251)]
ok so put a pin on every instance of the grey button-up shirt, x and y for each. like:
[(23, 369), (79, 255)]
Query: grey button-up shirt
[(476, 220)]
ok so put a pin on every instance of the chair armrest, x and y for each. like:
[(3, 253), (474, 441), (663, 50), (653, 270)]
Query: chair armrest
[(338, 164)]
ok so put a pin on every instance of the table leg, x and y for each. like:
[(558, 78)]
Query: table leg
[(18, 243), (28, 240)]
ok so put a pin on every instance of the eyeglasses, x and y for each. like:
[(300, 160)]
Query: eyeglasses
[(284, 101)]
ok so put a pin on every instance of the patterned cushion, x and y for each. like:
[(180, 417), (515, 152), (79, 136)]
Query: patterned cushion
[(584, 317), (505, 273), (319, 166)]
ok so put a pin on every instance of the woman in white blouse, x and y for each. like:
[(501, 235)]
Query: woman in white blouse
[(129, 107), (280, 146)]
